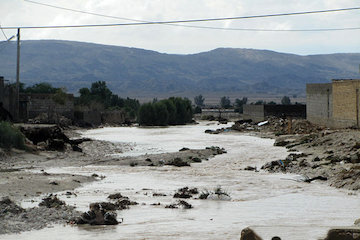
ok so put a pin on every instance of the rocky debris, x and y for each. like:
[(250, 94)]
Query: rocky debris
[(99, 214), (184, 149), (116, 196), (347, 178), (217, 194), (217, 150), (250, 168), (278, 126), (309, 180), (159, 195), (249, 234), (52, 201), (329, 155), (343, 234), (122, 202), (180, 204), (217, 131), (52, 137), (178, 162), (14, 219), (8, 206), (186, 192), (195, 159)]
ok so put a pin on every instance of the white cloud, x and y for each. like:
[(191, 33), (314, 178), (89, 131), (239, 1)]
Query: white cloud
[(190, 40)]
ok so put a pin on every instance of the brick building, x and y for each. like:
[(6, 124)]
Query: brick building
[(334, 104)]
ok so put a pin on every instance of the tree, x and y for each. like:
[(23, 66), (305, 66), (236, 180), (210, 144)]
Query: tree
[(161, 114), (199, 100), (146, 114), (101, 93), (170, 111), (285, 100), (239, 104), (41, 88), (225, 102), (260, 102), (60, 97)]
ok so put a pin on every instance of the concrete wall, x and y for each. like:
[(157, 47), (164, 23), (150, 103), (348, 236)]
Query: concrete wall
[(346, 103), (319, 103), (254, 112)]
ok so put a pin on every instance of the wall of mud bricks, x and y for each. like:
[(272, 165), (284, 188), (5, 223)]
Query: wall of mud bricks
[(43, 103), (113, 117)]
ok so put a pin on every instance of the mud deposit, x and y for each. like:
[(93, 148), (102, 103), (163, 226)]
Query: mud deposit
[(270, 203)]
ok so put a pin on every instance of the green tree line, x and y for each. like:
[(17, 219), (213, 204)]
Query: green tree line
[(172, 111)]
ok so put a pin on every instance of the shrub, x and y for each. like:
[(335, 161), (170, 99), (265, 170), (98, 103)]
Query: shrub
[(10, 136)]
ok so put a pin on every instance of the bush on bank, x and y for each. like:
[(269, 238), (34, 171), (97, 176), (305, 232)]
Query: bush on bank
[(172, 111), (11, 136)]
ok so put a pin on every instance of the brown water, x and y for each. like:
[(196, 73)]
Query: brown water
[(269, 203)]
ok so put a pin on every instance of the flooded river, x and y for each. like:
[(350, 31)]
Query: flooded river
[(272, 204)]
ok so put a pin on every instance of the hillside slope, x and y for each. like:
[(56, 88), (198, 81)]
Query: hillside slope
[(130, 70)]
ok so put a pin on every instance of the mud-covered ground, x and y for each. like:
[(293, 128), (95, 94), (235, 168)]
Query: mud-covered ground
[(332, 155), (314, 151), (23, 176)]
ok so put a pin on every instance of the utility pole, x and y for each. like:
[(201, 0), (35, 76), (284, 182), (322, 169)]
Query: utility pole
[(17, 101)]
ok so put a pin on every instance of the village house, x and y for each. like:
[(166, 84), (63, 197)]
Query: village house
[(334, 104), (32, 105)]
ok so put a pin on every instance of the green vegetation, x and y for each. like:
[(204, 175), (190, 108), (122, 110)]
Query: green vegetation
[(172, 111), (199, 101), (285, 100), (225, 102), (10, 136), (101, 96), (239, 104), (60, 96), (39, 88)]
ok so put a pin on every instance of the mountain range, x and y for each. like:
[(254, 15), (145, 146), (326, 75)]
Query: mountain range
[(133, 71)]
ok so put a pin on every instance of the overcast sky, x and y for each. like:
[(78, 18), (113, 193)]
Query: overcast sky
[(176, 39)]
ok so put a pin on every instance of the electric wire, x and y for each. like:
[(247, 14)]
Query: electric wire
[(201, 20)]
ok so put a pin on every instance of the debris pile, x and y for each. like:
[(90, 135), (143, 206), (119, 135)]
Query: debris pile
[(279, 126), (186, 192)]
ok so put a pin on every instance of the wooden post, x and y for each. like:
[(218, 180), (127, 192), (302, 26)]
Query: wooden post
[(17, 101), (289, 125)]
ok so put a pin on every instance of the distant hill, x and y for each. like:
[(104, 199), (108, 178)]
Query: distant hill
[(130, 71)]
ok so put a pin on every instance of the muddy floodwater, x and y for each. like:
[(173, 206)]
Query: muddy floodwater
[(271, 204)]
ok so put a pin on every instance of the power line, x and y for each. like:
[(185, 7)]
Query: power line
[(197, 26), (188, 21)]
